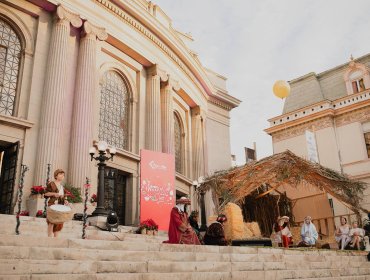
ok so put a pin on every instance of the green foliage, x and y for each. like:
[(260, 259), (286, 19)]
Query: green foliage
[(73, 194)]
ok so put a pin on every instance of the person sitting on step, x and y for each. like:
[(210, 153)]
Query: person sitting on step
[(357, 235), (341, 234), (308, 233), (193, 221), (215, 234)]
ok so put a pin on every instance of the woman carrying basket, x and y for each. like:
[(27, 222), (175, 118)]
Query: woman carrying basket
[(55, 192)]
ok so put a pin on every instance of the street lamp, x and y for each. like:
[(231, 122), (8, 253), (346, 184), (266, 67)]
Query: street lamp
[(104, 153), (203, 218)]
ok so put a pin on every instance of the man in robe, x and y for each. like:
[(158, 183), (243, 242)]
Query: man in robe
[(180, 231), (283, 235), (308, 232)]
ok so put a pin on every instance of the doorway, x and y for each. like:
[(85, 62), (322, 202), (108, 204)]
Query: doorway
[(115, 188), (8, 171)]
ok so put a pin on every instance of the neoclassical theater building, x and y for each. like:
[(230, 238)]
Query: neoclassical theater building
[(77, 71)]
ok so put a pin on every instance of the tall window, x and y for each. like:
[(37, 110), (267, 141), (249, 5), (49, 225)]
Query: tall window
[(179, 145), (358, 85), (10, 56), (114, 107), (367, 142)]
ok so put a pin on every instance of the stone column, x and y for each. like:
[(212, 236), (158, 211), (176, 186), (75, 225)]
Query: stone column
[(51, 120), (82, 126), (197, 143), (168, 129), (153, 108)]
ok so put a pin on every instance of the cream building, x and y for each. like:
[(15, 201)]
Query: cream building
[(326, 118), (73, 72)]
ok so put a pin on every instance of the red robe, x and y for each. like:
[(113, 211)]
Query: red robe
[(179, 231)]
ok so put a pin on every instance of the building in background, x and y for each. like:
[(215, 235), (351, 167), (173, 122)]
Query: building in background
[(326, 119), (73, 72)]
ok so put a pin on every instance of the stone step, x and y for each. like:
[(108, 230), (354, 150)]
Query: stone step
[(255, 275), (273, 270), (43, 253)]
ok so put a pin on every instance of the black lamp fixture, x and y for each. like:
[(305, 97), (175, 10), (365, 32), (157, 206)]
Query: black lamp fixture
[(112, 221), (104, 153)]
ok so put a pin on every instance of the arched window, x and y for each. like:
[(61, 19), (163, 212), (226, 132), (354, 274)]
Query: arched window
[(179, 145), (114, 108), (10, 58)]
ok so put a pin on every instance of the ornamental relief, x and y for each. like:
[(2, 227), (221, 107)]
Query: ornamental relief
[(294, 131), (361, 115)]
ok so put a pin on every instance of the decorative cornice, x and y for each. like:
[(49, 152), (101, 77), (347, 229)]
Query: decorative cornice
[(300, 129), (361, 115), (220, 104), (68, 16), (95, 31), (133, 23), (173, 84)]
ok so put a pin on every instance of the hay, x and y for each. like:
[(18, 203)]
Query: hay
[(254, 228), (234, 226)]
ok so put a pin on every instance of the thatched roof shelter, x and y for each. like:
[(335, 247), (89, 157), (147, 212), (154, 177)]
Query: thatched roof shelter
[(279, 170)]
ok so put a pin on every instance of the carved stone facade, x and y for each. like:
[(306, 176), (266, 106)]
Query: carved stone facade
[(115, 64), (341, 126)]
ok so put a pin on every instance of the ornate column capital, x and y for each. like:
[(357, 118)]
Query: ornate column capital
[(155, 70), (197, 111), (90, 30), (172, 83), (67, 16)]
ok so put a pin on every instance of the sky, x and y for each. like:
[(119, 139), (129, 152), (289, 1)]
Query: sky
[(256, 42)]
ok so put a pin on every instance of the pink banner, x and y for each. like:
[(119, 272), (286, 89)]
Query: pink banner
[(157, 187)]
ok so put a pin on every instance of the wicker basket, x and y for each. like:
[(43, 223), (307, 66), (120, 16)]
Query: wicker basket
[(58, 214)]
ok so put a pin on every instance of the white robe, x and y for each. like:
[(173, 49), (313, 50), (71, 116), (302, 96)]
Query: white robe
[(309, 233)]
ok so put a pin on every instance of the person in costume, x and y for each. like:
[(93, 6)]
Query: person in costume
[(282, 232), (357, 235), (193, 221), (215, 234), (55, 192), (342, 233), (180, 231), (308, 232)]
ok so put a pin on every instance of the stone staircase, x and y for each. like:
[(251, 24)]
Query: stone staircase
[(32, 255)]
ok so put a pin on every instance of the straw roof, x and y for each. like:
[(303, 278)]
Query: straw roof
[(284, 169)]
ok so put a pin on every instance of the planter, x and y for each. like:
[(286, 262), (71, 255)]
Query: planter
[(149, 232), (143, 231), (35, 203), (155, 232), (35, 196)]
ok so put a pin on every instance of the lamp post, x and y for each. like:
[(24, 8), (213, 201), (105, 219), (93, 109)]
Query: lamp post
[(203, 218), (104, 153)]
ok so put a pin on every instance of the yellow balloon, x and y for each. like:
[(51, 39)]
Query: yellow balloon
[(281, 89)]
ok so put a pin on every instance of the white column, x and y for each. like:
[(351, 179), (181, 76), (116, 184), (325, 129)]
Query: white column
[(153, 109), (82, 126), (51, 120), (168, 129), (197, 143)]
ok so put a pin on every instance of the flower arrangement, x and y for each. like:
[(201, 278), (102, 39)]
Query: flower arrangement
[(72, 194), (94, 198), (37, 190), (24, 213), (40, 214), (149, 225)]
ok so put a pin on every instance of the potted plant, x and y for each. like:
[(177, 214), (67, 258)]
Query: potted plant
[(24, 213), (148, 227), (36, 200), (37, 191), (40, 214)]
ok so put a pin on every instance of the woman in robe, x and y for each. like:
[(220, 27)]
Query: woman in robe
[(308, 232), (55, 192), (180, 231), (283, 235), (193, 221), (215, 234), (342, 233)]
